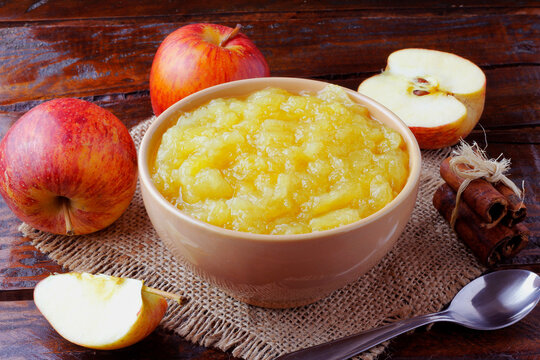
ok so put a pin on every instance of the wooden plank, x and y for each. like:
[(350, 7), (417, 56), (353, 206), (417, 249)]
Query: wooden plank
[(521, 135), (25, 334), (509, 104), (88, 58), (131, 108), (21, 266), (25, 10), (506, 106)]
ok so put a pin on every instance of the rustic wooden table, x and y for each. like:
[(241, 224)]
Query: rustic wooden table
[(101, 51)]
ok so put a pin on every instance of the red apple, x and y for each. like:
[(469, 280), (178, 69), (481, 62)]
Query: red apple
[(198, 56), (68, 167)]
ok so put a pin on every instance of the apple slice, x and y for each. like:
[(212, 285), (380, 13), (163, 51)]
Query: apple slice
[(439, 95), (100, 311)]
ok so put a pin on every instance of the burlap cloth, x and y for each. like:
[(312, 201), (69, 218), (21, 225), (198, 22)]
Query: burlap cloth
[(421, 274)]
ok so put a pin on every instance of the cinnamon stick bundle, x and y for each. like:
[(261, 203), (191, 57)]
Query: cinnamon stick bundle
[(489, 244), (490, 205)]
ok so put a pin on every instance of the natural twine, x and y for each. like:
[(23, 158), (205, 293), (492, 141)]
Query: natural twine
[(422, 273), (477, 166)]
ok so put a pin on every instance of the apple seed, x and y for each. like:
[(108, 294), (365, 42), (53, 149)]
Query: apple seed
[(420, 92)]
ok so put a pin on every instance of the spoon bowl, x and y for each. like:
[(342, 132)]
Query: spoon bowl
[(490, 302), (496, 300)]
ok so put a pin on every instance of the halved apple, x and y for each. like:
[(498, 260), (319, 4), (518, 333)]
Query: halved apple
[(99, 311), (439, 95)]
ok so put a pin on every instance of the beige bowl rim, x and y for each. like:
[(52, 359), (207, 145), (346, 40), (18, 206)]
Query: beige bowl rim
[(410, 186)]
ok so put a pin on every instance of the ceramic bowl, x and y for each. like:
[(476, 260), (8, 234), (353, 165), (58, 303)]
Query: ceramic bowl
[(276, 271)]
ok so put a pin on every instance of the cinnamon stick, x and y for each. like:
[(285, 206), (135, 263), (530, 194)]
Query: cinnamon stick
[(518, 242), (480, 196), (490, 245), (517, 211)]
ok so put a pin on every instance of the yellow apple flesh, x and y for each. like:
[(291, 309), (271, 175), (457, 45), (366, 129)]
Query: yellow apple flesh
[(439, 95), (99, 311)]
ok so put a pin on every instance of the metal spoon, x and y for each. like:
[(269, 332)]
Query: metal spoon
[(492, 301)]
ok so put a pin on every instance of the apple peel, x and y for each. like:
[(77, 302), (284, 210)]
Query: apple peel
[(101, 311)]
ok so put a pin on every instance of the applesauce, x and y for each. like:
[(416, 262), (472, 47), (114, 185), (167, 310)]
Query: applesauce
[(280, 163)]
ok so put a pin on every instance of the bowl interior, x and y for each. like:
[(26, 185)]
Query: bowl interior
[(240, 88)]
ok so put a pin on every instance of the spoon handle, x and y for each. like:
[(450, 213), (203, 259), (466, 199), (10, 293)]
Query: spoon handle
[(347, 347)]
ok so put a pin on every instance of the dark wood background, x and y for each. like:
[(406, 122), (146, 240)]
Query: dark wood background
[(102, 50)]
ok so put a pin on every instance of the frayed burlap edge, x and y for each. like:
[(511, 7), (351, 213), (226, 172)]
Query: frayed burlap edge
[(196, 322)]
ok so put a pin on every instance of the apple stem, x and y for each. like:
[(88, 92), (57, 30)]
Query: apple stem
[(230, 35), (67, 219), (165, 294)]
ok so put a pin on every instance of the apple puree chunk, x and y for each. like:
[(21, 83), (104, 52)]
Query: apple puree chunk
[(280, 163)]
